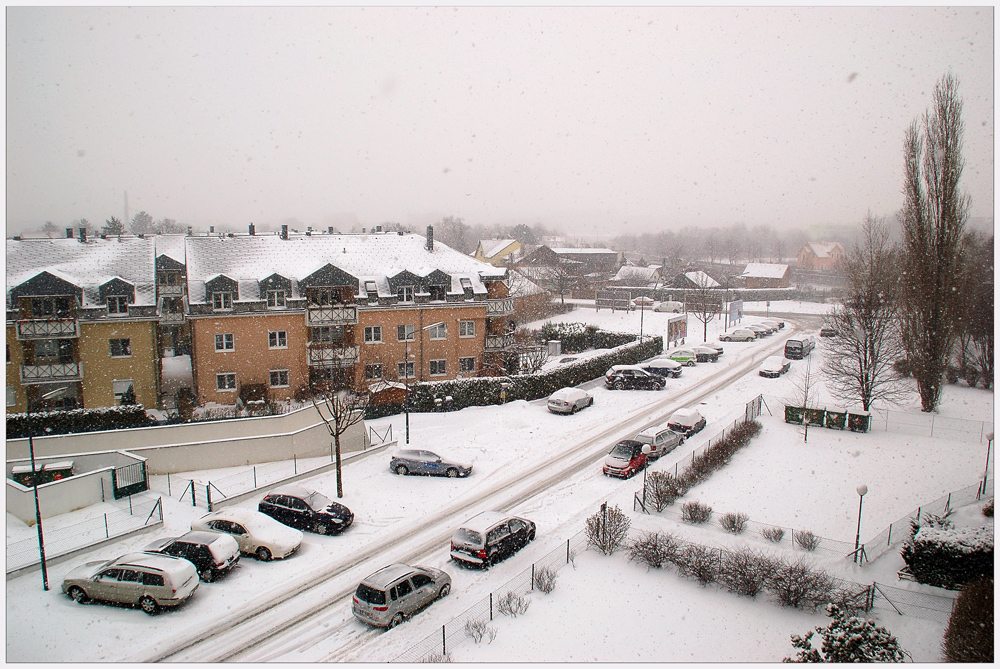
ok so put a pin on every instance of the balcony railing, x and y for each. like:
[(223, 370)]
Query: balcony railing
[(333, 356), (502, 307), (55, 328), (346, 314), (172, 317), (62, 371), (170, 290), (499, 342)]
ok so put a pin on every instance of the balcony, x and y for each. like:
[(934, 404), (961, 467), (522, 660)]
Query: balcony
[(502, 307), (343, 314), (333, 356), (61, 371), (499, 342), (172, 317), (170, 290), (54, 328)]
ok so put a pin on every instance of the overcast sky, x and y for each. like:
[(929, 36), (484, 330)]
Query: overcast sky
[(611, 119)]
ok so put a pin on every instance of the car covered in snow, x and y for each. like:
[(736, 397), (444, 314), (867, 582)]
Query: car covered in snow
[(256, 533), (427, 463), (569, 400), (685, 356), (738, 334), (632, 377), (490, 537), (306, 509), (394, 593), (663, 367), (759, 330), (625, 459), (774, 366), (138, 579), (211, 553), (686, 422), (669, 306), (706, 354)]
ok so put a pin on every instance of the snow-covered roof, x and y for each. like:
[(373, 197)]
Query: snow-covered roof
[(702, 280), (763, 270), (88, 265), (823, 249), (171, 246), (566, 251), (491, 247), (634, 272)]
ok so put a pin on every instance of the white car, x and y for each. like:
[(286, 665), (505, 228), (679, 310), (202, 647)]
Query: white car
[(642, 302), (686, 421), (664, 367), (761, 330), (739, 334), (774, 367), (669, 306), (569, 400), (715, 345), (256, 533)]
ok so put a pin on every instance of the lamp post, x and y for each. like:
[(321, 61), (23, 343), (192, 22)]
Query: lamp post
[(862, 489), (406, 374), (646, 450), (989, 445)]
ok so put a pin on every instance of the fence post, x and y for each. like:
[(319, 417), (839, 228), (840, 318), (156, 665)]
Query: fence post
[(567, 551), (107, 534), (491, 606), (947, 505), (932, 425), (208, 495), (130, 504), (168, 485), (295, 464), (888, 541), (444, 642), (532, 577), (255, 476)]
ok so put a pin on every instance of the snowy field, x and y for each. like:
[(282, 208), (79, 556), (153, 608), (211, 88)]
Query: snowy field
[(777, 480)]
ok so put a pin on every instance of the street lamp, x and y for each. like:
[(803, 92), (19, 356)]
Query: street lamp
[(646, 450), (862, 489), (406, 373), (989, 445)]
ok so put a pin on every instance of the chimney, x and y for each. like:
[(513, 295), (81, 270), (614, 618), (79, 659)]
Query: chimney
[(69, 233), (284, 232), (378, 228), (329, 230), (309, 231), (211, 229), (430, 237), (189, 231), (364, 230), (252, 231), (83, 234)]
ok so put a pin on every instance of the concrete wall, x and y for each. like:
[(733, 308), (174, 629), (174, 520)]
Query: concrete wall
[(58, 497)]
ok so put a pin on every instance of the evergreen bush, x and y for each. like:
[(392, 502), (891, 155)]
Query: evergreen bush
[(947, 557), (848, 639), (20, 425), (969, 636)]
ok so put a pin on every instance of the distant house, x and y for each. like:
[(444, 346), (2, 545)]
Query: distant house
[(695, 280), (765, 275), (820, 255), (564, 270), (631, 275), (497, 251)]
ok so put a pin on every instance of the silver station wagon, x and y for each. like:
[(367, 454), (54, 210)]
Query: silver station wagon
[(394, 593), (139, 579), (414, 461)]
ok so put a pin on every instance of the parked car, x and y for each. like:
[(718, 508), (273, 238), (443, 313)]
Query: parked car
[(773, 324), (759, 330), (686, 422), (632, 377), (828, 332), (569, 400), (739, 334), (796, 349), (685, 356), (663, 367), (212, 554), (716, 346), (394, 593), (306, 509), (661, 440), (257, 534), (774, 366), (669, 306), (706, 354), (642, 302), (625, 459), (770, 326), (140, 579), (427, 463), (490, 537)]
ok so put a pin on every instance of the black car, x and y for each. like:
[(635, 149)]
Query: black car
[(212, 554), (621, 377), (827, 332), (306, 509), (490, 537)]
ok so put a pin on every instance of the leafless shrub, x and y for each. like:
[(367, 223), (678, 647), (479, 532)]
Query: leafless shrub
[(746, 571), (662, 489), (698, 562), (853, 601), (545, 579), (800, 586), (773, 534), (988, 509), (734, 522), (654, 549), (512, 604), (696, 512), (477, 629), (806, 540), (607, 529), (436, 657)]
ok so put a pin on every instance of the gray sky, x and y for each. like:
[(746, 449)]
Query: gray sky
[(607, 119)]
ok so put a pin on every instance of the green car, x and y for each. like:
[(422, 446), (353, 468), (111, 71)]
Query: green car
[(685, 356)]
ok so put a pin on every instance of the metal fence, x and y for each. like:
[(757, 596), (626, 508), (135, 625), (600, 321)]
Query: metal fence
[(437, 645), (911, 603), (931, 425), (66, 539)]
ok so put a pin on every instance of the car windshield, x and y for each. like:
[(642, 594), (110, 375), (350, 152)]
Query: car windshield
[(369, 594), (317, 500), (622, 451)]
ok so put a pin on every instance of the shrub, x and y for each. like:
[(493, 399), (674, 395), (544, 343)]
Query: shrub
[(698, 562), (852, 600), (36, 424), (545, 579), (718, 454), (806, 540), (800, 586), (512, 604), (969, 636), (746, 571), (848, 639), (988, 509), (773, 534), (607, 529), (971, 376), (477, 629), (734, 522), (696, 512), (940, 555), (952, 374), (436, 657), (662, 489), (654, 549), (902, 367)]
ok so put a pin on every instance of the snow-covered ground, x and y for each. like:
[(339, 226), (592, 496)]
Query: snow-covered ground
[(777, 480)]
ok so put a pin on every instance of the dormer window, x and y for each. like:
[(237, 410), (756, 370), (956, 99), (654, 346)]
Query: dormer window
[(438, 293), (275, 299), (117, 305), (372, 290), (405, 294), (466, 287), (222, 301), (50, 307)]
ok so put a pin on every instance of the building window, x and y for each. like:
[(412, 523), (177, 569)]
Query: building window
[(405, 293), (118, 305), (222, 301), (225, 381), (438, 367), (373, 334), (373, 371), (438, 293), (48, 307), (224, 342), (275, 299), (279, 378), (124, 392), (277, 339), (328, 333), (467, 328), (404, 370), (467, 365), (439, 331), (404, 332), (120, 348)]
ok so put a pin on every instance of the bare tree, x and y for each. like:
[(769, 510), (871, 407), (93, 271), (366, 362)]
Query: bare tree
[(704, 302), (802, 389), (858, 361), (558, 277), (339, 409), (933, 217), (712, 246)]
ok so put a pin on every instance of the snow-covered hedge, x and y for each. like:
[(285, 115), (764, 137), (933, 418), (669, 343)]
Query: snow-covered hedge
[(948, 557), (36, 424), (483, 391)]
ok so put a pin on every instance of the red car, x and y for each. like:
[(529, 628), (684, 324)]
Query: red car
[(625, 459)]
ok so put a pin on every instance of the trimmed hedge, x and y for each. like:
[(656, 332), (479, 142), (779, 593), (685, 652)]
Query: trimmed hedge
[(949, 558), (21, 425)]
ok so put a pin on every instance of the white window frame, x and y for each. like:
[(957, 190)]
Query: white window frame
[(405, 294), (410, 373), (275, 299), (120, 303), (277, 339), (375, 373), (439, 332), (127, 347), (409, 329), (222, 301), (279, 372), (227, 338), (373, 334), (443, 363), (466, 329), (225, 388), (462, 370)]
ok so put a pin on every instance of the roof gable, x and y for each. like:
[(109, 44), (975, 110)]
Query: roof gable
[(329, 276)]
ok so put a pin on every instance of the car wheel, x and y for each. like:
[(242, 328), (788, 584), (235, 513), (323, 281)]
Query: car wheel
[(444, 591), (78, 595), (574, 409), (402, 470), (452, 473), (207, 575), (320, 528), (619, 385), (263, 554), (591, 402), (531, 535), (149, 605), (396, 620)]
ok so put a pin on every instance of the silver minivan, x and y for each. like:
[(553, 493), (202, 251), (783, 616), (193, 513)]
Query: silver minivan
[(394, 593), (661, 439)]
